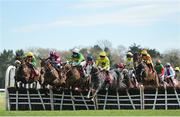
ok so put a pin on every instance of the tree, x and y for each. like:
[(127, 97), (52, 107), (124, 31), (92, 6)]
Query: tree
[(172, 56), (104, 44), (154, 53), (6, 59), (135, 48), (95, 50)]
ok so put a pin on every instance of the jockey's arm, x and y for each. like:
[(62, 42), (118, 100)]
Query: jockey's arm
[(97, 62), (33, 62), (81, 59), (107, 66)]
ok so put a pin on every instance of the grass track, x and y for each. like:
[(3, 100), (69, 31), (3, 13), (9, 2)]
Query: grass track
[(85, 112), (94, 113)]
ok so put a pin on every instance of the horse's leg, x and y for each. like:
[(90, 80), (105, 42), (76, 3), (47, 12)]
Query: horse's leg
[(96, 102), (89, 92), (96, 91), (91, 85), (94, 99), (94, 95)]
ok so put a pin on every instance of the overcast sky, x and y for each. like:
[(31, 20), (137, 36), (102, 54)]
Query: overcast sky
[(64, 24)]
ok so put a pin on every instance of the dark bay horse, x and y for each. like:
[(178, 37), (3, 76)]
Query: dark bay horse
[(71, 74), (50, 75), (144, 74), (25, 74)]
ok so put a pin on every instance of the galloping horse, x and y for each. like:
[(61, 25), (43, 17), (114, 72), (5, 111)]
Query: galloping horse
[(132, 82), (144, 74), (72, 76), (99, 80), (49, 75), (127, 78), (24, 74)]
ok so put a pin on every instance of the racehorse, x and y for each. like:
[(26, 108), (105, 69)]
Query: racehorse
[(144, 74), (50, 75), (99, 80), (172, 82), (132, 81), (128, 76), (25, 74), (72, 76)]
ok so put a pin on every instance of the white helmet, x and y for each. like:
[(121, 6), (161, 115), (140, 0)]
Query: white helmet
[(75, 50)]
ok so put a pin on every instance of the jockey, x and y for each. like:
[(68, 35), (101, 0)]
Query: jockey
[(147, 59), (89, 63), (55, 59), (129, 64), (120, 66), (159, 69), (169, 72), (129, 61), (78, 59), (90, 60), (104, 64), (18, 57), (103, 61), (30, 58)]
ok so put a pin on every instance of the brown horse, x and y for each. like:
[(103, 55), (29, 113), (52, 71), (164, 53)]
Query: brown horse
[(144, 74), (50, 75), (25, 74), (71, 75)]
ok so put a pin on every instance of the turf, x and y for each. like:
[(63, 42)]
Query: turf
[(94, 113)]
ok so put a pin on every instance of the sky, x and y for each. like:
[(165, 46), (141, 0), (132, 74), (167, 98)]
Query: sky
[(64, 24)]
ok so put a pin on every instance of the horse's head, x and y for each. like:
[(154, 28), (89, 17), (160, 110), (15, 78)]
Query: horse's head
[(69, 73), (23, 70), (137, 59), (94, 70), (97, 73), (65, 68), (48, 70)]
